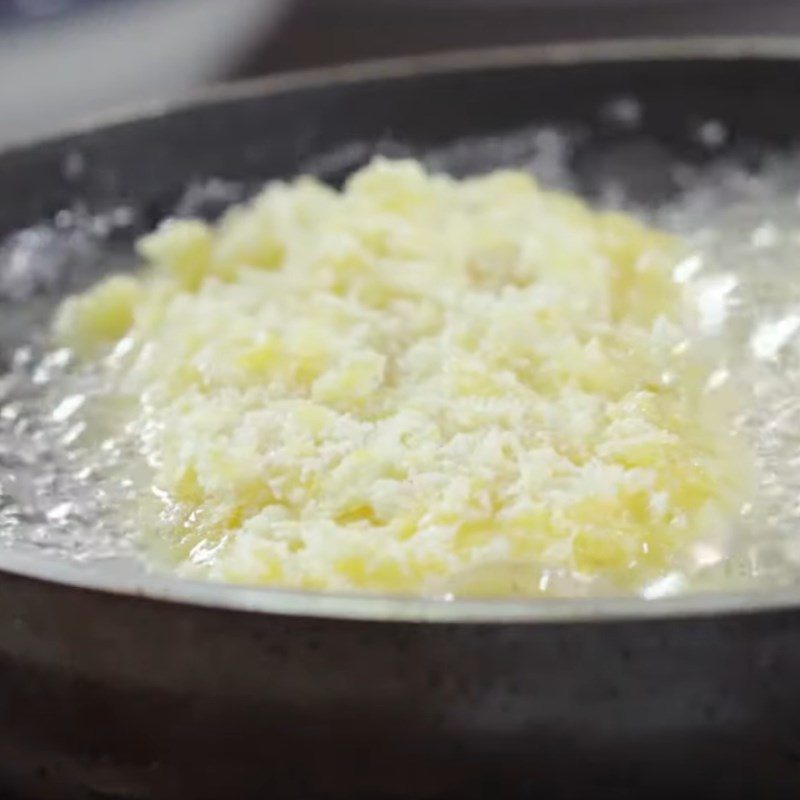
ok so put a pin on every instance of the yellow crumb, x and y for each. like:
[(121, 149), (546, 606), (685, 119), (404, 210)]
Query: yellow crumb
[(415, 384)]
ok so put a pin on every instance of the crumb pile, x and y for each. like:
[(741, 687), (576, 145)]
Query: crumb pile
[(413, 384)]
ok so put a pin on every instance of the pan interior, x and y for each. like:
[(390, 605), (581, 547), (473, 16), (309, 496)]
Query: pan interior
[(737, 209)]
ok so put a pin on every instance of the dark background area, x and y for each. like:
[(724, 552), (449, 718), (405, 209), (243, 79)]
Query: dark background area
[(319, 32)]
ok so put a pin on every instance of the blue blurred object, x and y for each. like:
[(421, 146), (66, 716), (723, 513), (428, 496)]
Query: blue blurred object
[(27, 11)]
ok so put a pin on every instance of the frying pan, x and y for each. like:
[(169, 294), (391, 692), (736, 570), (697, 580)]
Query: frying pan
[(122, 684)]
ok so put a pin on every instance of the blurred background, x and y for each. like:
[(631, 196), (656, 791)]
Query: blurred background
[(65, 60)]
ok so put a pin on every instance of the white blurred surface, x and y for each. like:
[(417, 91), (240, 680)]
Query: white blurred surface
[(55, 72)]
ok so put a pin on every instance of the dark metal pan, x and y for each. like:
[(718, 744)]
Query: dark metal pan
[(116, 684)]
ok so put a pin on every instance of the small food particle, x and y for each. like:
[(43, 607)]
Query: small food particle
[(99, 317), (415, 384)]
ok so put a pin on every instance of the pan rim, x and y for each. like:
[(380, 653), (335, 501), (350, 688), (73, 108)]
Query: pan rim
[(558, 54), (159, 588)]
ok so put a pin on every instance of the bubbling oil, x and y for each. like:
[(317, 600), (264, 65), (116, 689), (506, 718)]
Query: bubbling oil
[(743, 270), (67, 489)]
